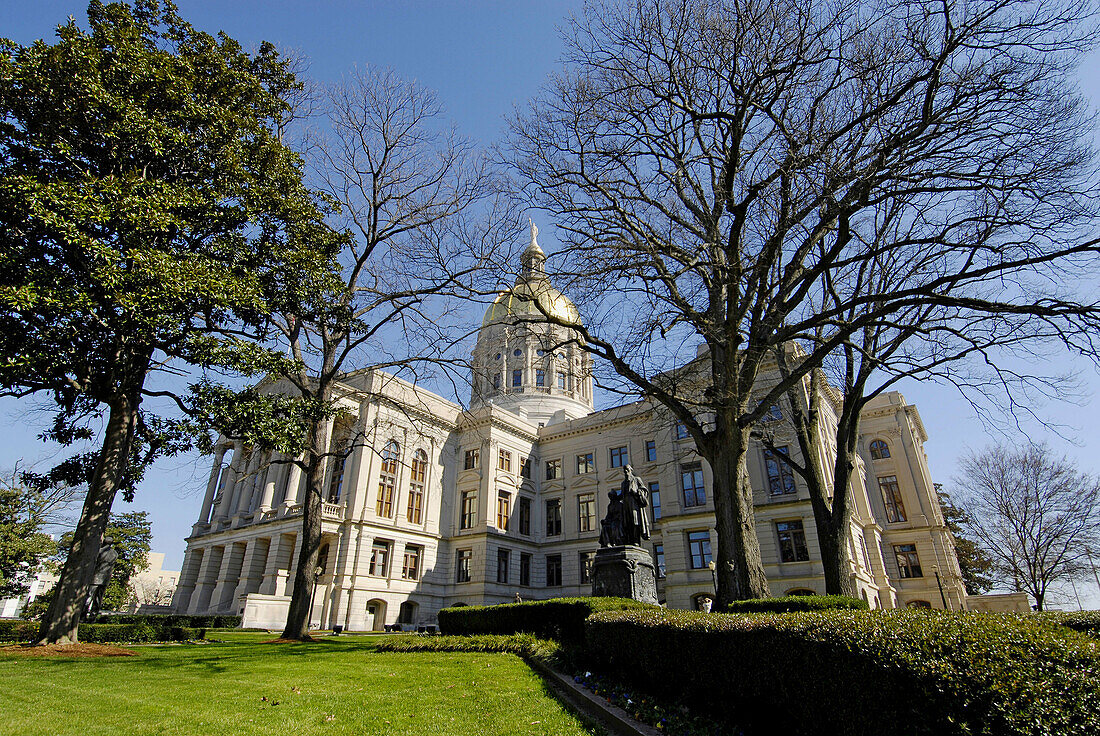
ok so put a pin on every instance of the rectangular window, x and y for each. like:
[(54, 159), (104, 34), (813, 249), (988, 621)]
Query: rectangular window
[(504, 509), (587, 560), (792, 541), (619, 457), (553, 517), (385, 496), (525, 467), (517, 377), (650, 451), (469, 510), (586, 463), (380, 559), (866, 554), (908, 562), (502, 565), (540, 377), (553, 570), (472, 459), (659, 555), (524, 569), (681, 431), (561, 381), (780, 477), (504, 461), (410, 568), (891, 497), (699, 549), (416, 502), (337, 483), (655, 499), (525, 516), (586, 512), (462, 565), (691, 481), (553, 469), (774, 414)]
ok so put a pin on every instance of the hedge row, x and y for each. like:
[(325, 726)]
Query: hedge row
[(171, 619), (27, 631), (525, 645), (1087, 622), (848, 672), (795, 603), (557, 618)]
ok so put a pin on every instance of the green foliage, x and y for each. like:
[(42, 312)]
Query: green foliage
[(36, 609), (23, 546), (1086, 622), (558, 618), (857, 672), (525, 645), (133, 535), (793, 603), (171, 619), (133, 633)]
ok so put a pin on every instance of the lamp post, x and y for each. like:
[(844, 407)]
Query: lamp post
[(317, 573), (939, 584)]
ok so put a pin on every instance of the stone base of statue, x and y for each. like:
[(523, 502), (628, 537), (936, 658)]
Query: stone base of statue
[(624, 572)]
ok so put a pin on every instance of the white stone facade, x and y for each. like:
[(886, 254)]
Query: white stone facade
[(437, 506)]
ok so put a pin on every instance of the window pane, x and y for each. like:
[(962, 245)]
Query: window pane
[(691, 479), (699, 549)]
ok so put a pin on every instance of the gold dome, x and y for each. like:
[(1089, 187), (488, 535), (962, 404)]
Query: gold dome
[(519, 301)]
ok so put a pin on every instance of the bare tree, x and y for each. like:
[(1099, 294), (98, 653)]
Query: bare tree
[(1035, 514), (720, 165), (405, 186)]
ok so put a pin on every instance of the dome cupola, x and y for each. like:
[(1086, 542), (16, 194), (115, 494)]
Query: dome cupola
[(525, 362)]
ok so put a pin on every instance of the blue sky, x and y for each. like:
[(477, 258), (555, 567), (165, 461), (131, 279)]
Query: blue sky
[(482, 58)]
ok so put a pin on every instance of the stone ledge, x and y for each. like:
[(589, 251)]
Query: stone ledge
[(589, 706)]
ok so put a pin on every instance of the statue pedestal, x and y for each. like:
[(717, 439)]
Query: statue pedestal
[(624, 572)]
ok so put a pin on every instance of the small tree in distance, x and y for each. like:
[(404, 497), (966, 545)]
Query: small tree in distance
[(1034, 513)]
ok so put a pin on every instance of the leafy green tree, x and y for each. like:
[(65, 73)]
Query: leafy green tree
[(23, 546), (149, 216)]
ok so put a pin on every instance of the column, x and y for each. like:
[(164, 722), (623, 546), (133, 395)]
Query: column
[(229, 486), (271, 479), (211, 486), (189, 575), (222, 596), (292, 565), (208, 571), (252, 568), (247, 484), (277, 555)]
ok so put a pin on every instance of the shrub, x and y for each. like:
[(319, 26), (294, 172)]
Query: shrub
[(525, 645), (557, 618), (21, 631), (855, 672), (172, 619), (794, 603), (1087, 622)]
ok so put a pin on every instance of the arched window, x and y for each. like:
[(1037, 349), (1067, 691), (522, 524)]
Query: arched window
[(417, 476), (406, 614), (387, 480), (918, 604), (879, 450)]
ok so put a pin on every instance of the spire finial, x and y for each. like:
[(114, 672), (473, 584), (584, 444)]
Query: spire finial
[(534, 233), (533, 258)]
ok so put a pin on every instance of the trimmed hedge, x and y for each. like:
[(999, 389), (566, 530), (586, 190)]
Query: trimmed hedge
[(171, 619), (137, 633), (525, 645), (557, 618), (851, 672), (795, 603), (1087, 622)]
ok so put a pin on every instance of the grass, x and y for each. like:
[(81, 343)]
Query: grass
[(244, 686)]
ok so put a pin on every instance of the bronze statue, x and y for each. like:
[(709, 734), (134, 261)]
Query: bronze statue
[(104, 565), (627, 521)]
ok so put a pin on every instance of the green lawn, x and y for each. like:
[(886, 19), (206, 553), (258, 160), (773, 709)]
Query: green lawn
[(345, 688)]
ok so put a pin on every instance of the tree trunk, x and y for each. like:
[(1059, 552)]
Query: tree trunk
[(301, 599), (62, 619), (739, 570)]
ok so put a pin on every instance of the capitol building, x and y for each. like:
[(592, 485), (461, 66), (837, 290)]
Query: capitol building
[(436, 505)]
